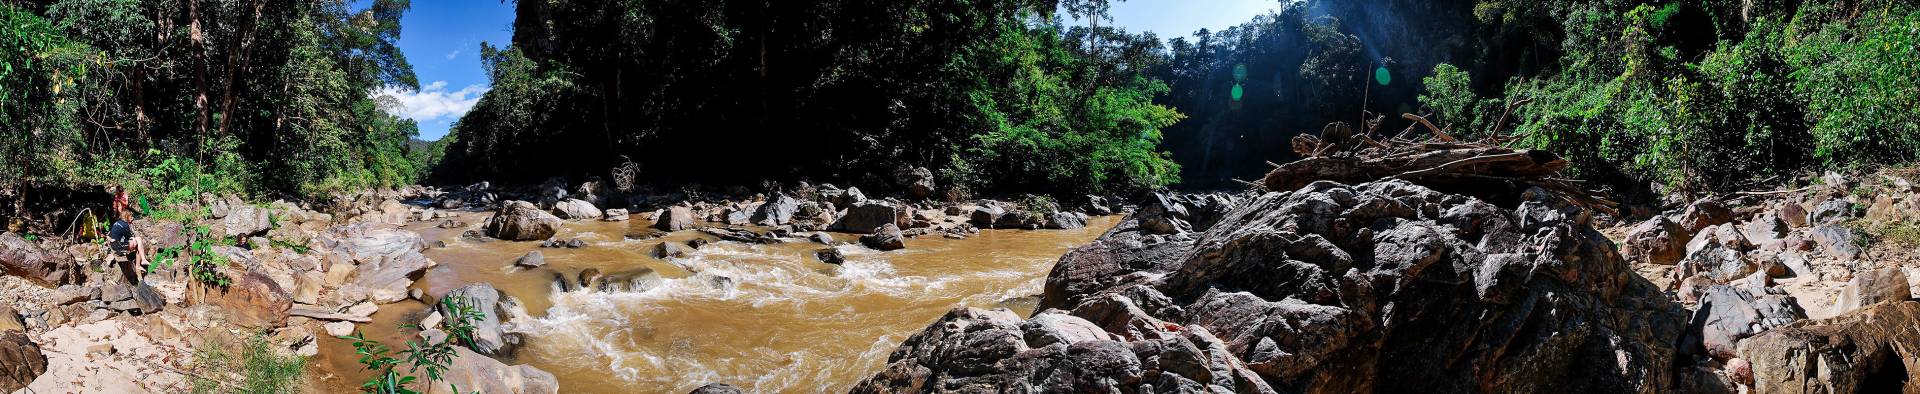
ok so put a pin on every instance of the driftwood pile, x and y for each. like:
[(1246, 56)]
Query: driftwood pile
[(1481, 168)]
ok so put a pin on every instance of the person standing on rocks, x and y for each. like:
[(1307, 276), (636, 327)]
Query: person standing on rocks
[(129, 246)]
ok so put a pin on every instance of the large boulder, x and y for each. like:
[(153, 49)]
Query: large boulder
[(777, 211), (522, 221), (1728, 314), (1655, 241), (917, 181), (382, 261), (475, 373), (1380, 287), (1718, 263), (1836, 241), (675, 219), (866, 216), (1871, 350), (253, 301), (1066, 220), (245, 221), (1872, 287), (576, 209), (483, 299), (46, 267), (1702, 214), (20, 361), (1830, 212)]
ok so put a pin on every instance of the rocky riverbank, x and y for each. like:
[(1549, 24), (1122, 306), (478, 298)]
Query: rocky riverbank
[(287, 274), (1391, 286)]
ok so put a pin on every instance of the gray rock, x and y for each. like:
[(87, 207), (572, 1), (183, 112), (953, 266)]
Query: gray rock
[(917, 181), (615, 215), (887, 237), (821, 238), (1728, 315), (670, 249), (716, 388), (1863, 351), (488, 338), (868, 216), (246, 220), (1837, 241), (1765, 228), (777, 211), (1830, 213), (1328, 288), (830, 256), (45, 267), (1067, 220), (1719, 263), (533, 259), (576, 209), (477, 373), (522, 221)]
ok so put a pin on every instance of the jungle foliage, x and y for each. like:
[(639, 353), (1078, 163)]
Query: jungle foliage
[(181, 97), (994, 95)]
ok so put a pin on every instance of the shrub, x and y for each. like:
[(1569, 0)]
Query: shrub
[(251, 366)]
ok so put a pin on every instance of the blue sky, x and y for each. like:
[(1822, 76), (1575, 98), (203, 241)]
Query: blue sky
[(442, 40)]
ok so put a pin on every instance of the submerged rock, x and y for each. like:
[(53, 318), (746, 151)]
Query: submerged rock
[(475, 373), (867, 216), (1378, 287), (576, 209)]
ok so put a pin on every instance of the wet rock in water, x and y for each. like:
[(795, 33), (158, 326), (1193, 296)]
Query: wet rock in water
[(719, 282), (26, 259), (253, 301), (1837, 241), (716, 388), (451, 224), (887, 237), (1872, 287), (1328, 288), (20, 361), (987, 213), (576, 209), (1830, 213), (1655, 241), (1863, 351), (917, 181), (1719, 263), (830, 256), (533, 259), (821, 238), (741, 235), (696, 243), (575, 243), (615, 215), (477, 373), (777, 211), (639, 280), (488, 338), (564, 284), (1728, 315), (522, 221), (675, 219), (1067, 220), (669, 249), (867, 216)]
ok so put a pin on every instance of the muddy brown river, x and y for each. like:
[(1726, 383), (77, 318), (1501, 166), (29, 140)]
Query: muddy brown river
[(789, 323)]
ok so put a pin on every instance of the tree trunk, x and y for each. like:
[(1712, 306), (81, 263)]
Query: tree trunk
[(199, 40), (237, 62)]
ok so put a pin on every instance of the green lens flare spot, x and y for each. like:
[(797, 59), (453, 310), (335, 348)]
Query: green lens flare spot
[(1238, 92), (1380, 75)]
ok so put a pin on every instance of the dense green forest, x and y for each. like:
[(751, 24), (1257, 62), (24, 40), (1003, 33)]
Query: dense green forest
[(995, 94), (171, 98), (176, 97)]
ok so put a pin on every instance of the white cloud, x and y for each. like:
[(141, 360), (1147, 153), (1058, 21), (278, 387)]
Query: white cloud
[(432, 102), (451, 55)]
